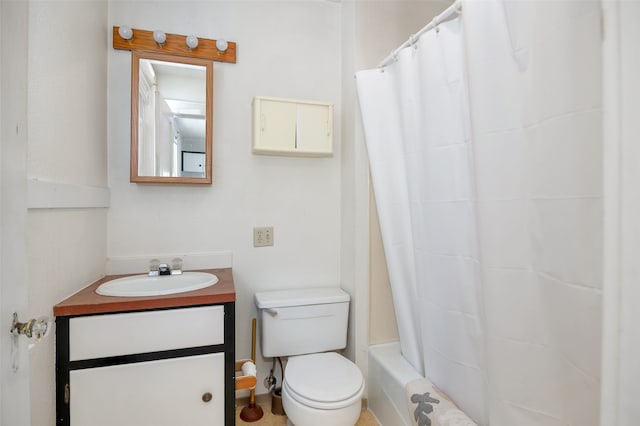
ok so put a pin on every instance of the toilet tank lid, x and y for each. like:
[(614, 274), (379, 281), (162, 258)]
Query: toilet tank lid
[(300, 297)]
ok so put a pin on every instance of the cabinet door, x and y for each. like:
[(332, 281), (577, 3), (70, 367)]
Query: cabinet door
[(277, 126), (166, 392), (314, 127)]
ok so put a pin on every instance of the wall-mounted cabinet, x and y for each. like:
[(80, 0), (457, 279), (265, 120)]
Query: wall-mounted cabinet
[(292, 127)]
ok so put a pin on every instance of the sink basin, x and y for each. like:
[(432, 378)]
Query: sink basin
[(144, 285)]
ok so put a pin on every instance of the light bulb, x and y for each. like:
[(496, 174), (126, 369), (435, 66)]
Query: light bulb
[(159, 36), (222, 45), (125, 32), (192, 41)]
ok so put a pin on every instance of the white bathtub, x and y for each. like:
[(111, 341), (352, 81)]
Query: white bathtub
[(389, 372)]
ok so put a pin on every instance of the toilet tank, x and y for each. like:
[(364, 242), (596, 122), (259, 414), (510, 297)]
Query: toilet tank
[(302, 321)]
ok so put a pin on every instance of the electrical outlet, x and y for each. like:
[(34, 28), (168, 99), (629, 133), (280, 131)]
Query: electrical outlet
[(263, 236)]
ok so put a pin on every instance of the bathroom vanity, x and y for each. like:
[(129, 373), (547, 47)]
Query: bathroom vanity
[(157, 360)]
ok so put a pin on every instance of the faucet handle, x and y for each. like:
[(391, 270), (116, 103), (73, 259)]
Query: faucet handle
[(154, 267), (176, 266)]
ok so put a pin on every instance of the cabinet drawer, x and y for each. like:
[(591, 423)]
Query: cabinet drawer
[(102, 336), (167, 392)]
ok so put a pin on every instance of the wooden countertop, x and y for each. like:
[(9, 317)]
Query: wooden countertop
[(87, 301)]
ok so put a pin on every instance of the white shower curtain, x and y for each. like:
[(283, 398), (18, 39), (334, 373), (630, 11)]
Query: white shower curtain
[(484, 144)]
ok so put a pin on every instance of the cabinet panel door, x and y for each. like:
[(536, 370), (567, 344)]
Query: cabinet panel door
[(314, 129), (100, 336), (277, 126), (155, 393)]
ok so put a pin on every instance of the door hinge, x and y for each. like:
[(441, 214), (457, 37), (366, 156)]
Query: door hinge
[(67, 394)]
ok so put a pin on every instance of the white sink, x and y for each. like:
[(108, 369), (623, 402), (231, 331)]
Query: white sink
[(144, 285)]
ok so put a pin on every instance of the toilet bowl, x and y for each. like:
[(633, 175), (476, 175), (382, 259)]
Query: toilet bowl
[(322, 389)]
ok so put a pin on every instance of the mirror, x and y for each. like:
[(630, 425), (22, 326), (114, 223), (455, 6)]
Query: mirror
[(171, 118)]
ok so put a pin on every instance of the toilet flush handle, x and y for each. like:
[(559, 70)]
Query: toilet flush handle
[(272, 312)]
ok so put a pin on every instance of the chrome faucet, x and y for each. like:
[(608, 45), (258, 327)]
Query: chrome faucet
[(156, 268), (163, 269)]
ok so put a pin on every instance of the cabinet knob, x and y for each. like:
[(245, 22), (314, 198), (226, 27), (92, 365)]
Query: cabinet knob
[(206, 397)]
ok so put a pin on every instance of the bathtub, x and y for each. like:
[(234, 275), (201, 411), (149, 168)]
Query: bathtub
[(389, 372)]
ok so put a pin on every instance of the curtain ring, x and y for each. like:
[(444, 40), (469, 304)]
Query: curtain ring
[(413, 41), (393, 56)]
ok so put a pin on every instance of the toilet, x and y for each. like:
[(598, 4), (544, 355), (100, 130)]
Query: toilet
[(320, 387)]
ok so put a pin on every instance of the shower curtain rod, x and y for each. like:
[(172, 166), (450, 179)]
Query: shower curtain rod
[(455, 8)]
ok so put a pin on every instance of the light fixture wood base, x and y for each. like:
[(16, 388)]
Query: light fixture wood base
[(175, 45)]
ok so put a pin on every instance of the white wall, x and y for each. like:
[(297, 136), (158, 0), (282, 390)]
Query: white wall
[(384, 326), (66, 247), (67, 71), (621, 350), (354, 203), (629, 389), (14, 389), (285, 49)]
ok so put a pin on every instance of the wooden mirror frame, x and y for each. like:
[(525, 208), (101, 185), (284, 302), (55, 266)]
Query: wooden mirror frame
[(136, 56)]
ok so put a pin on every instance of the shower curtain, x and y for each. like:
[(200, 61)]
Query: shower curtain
[(484, 145)]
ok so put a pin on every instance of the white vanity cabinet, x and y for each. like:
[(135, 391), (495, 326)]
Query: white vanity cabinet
[(141, 362)]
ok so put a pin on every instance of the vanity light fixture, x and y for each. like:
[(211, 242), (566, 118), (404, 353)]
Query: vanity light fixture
[(160, 37), (222, 45), (192, 41), (192, 46), (125, 32)]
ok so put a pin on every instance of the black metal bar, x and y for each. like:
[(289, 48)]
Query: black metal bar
[(143, 357), (229, 364), (62, 370)]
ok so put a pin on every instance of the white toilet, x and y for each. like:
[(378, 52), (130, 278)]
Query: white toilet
[(320, 387)]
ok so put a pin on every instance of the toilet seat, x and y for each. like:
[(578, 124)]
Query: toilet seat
[(323, 380)]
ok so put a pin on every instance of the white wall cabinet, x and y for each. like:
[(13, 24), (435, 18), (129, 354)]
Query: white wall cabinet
[(292, 127)]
